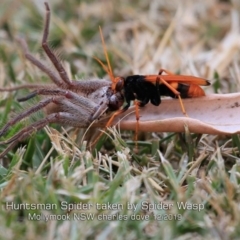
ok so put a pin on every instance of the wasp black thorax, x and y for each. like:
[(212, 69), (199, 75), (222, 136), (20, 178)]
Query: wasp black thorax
[(137, 88)]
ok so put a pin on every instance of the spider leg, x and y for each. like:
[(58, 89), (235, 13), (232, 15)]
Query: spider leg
[(61, 117), (27, 131), (50, 53), (87, 110), (9, 148), (78, 99), (61, 79), (89, 86), (86, 105), (25, 86), (23, 115), (55, 78)]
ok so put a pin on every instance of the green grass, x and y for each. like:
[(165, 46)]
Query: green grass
[(115, 191)]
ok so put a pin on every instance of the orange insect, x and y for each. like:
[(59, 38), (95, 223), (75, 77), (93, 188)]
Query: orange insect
[(149, 88)]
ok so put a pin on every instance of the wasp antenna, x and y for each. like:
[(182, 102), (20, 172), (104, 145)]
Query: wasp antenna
[(109, 71), (103, 65)]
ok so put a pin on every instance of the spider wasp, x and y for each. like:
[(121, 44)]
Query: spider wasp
[(143, 89)]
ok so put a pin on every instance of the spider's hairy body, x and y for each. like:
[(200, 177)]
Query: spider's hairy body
[(75, 103)]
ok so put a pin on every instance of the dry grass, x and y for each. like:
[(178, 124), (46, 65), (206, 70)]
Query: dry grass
[(190, 37)]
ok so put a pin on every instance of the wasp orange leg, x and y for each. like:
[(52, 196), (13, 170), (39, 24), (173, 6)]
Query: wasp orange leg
[(176, 93), (108, 124), (136, 103), (166, 71), (173, 89)]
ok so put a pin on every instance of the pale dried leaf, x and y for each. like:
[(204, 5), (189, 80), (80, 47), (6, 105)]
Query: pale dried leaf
[(212, 114)]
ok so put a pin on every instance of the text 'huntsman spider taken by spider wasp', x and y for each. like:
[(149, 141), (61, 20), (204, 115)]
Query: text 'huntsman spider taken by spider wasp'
[(79, 103)]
